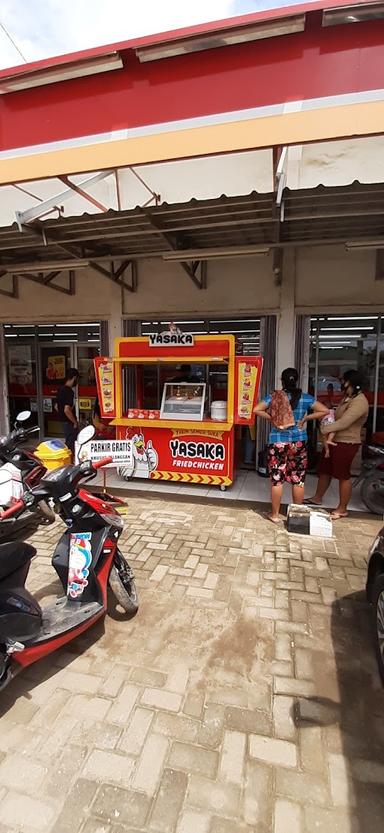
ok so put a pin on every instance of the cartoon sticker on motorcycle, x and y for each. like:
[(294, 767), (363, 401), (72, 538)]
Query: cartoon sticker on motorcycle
[(80, 557), (145, 458)]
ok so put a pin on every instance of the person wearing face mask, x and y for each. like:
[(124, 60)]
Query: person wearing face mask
[(350, 417)]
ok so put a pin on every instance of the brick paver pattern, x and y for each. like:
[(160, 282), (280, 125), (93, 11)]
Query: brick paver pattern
[(243, 698)]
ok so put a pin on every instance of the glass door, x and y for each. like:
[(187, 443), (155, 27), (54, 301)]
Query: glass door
[(55, 359), (86, 392)]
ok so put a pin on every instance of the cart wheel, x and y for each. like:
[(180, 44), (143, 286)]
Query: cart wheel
[(222, 487)]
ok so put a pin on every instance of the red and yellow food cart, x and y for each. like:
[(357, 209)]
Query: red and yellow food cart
[(191, 438)]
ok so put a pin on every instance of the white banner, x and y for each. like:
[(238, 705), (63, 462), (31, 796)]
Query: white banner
[(95, 450)]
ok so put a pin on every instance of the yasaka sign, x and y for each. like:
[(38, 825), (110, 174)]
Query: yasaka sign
[(171, 340), (206, 456)]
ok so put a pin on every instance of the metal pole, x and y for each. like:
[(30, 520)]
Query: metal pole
[(377, 370), (317, 357), (4, 410), (39, 384)]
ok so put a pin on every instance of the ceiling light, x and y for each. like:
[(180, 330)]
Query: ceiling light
[(369, 244), (28, 78), (338, 329), (74, 324), (345, 335), (205, 254), (221, 37), (353, 14), (45, 266), (353, 318)]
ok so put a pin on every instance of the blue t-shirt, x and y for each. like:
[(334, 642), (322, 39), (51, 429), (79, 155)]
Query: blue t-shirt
[(292, 435)]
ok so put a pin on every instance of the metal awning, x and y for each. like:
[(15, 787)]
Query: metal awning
[(199, 229)]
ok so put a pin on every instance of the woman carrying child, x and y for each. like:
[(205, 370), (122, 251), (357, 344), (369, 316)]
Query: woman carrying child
[(287, 411), (351, 414)]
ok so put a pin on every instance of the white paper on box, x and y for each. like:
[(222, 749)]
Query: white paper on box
[(320, 525)]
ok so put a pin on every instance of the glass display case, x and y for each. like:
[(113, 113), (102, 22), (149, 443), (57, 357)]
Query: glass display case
[(184, 400)]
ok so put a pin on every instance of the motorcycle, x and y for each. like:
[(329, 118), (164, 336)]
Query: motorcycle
[(87, 559), (25, 471), (371, 480)]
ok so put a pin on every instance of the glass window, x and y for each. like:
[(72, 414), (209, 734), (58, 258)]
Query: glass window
[(340, 343)]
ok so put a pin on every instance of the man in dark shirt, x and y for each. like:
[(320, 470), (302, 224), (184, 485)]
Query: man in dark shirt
[(65, 407)]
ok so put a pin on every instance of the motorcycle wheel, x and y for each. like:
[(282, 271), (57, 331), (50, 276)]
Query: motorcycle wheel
[(48, 516), (122, 584), (372, 492)]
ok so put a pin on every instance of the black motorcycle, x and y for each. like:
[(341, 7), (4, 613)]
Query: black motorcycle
[(28, 471)]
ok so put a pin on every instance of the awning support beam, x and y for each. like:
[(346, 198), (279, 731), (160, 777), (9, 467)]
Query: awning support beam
[(80, 191), (117, 275), (42, 281), (14, 292), (24, 217), (192, 269), (172, 242)]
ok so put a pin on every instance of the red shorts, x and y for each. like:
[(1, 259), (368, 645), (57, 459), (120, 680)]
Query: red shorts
[(338, 464)]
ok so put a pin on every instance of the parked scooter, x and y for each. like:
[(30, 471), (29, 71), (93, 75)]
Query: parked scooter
[(371, 479), (86, 559), (25, 470)]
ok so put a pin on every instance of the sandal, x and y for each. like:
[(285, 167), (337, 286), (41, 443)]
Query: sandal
[(273, 520), (336, 516), (309, 502)]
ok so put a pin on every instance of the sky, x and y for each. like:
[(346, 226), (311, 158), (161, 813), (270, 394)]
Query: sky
[(42, 28)]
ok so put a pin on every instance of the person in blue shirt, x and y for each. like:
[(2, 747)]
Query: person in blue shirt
[(287, 448)]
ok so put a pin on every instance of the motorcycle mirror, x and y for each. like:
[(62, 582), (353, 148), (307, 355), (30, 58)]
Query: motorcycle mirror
[(86, 434), (5, 477), (23, 416)]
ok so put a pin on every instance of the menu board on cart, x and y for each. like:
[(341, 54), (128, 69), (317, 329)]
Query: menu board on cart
[(247, 386), (105, 381)]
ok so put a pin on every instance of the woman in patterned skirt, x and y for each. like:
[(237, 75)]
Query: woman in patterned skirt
[(287, 449)]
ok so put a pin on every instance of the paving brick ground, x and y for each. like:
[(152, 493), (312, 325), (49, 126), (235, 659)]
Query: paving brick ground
[(243, 698)]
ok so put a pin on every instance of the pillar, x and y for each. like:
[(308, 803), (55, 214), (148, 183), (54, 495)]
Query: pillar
[(286, 329), (115, 318), (4, 401)]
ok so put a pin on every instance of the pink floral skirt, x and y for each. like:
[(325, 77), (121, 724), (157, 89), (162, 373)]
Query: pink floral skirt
[(287, 463)]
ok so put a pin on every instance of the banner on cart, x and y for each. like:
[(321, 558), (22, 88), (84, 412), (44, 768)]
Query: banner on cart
[(95, 450), (164, 453)]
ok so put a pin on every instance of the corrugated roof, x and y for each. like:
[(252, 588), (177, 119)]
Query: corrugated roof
[(313, 216)]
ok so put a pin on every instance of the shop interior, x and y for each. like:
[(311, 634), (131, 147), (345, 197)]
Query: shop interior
[(38, 357)]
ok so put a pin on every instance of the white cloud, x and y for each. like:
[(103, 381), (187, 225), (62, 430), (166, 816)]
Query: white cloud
[(43, 28)]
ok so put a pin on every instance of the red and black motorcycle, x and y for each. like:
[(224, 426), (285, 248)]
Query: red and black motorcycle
[(26, 470), (87, 559)]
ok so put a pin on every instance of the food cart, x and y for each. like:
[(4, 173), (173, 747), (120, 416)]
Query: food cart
[(182, 426)]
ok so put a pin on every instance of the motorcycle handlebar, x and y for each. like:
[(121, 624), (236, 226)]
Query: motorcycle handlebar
[(104, 462), (12, 510)]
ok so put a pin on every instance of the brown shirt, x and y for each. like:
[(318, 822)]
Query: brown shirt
[(350, 418)]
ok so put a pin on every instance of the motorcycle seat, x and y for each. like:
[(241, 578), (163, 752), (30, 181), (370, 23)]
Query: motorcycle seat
[(14, 555)]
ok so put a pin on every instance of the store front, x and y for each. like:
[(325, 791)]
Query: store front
[(254, 336), (37, 359)]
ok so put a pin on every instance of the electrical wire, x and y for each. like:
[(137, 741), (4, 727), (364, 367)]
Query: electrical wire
[(5, 30)]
